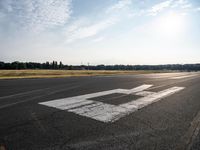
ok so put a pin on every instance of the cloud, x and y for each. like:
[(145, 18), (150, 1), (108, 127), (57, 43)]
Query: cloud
[(98, 39), (121, 4), (36, 15), (170, 4), (159, 7), (184, 4), (80, 31), (197, 9)]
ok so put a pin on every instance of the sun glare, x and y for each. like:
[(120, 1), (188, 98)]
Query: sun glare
[(171, 24)]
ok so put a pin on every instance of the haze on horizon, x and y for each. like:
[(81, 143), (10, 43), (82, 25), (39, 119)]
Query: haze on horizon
[(100, 31)]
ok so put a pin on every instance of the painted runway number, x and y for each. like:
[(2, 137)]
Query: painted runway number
[(84, 106)]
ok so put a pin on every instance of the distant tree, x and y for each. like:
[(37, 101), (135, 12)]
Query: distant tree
[(22, 66), (70, 67), (60, 65), (15, 65), (47, 65), (2, 65)]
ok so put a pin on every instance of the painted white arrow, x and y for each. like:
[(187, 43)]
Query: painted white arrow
[(104, 112)]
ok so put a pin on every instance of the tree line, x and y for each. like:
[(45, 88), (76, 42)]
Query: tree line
[(31, 65), (60, 65)]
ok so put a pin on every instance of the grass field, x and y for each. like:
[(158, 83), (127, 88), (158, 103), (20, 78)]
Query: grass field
[(14, 74)]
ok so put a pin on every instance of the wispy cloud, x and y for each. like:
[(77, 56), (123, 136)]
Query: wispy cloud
[(182, 4), (159, 7), (118, 6), (80, 31), (36, 15), (169, 4), (197, 9), (98, 39)]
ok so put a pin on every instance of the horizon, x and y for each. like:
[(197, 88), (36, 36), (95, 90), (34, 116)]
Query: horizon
[(109, 32), (58, 62)]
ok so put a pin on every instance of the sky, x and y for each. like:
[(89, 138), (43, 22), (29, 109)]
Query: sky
[(100, 31)]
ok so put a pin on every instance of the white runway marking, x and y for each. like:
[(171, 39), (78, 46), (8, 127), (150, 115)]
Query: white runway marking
[(142, 102), (104, 112), (78, 101), (144, 93)]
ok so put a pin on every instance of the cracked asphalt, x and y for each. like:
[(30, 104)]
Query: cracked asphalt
[(171, 123)]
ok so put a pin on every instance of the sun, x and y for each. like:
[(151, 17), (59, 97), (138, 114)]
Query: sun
[(171, 24)]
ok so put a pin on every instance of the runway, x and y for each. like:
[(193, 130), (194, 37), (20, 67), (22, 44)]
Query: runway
[(121, 112)]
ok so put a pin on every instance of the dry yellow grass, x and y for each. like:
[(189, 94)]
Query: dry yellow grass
[(13, 74)]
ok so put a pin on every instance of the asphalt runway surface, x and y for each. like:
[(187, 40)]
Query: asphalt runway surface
[(121, 112)]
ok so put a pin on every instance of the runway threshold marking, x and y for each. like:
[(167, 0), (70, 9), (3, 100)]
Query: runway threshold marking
[(84, 106)]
